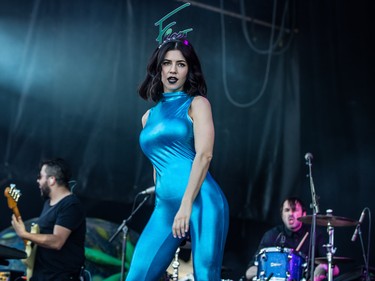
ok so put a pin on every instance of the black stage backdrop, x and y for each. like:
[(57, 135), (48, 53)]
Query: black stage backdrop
[(284, 78)]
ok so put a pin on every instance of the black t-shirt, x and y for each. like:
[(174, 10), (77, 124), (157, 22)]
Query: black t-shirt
[(63, 264)]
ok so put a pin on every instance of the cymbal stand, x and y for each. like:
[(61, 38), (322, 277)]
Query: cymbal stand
[(315, 207), (124, 228), (330, 247)]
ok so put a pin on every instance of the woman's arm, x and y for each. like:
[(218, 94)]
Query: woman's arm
[(200, 112), (144, 118), (144, 121)]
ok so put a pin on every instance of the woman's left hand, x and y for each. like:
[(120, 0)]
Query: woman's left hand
[(181, 221)]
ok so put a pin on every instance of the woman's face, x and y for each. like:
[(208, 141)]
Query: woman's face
[(174, 70)]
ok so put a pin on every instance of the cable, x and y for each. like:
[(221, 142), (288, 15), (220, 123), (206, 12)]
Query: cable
[(271, 50), (266, 75), (72, 185), (135, 200), (249, 41)]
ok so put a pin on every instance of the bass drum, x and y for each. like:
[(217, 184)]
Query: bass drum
[(280, 264)]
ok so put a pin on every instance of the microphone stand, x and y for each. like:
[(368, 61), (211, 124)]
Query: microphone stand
[(124, 228), (363, 253), (315, 207), (365, 258)]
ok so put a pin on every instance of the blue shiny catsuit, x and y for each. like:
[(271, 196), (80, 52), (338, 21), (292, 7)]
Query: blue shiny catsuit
[(168, 141)]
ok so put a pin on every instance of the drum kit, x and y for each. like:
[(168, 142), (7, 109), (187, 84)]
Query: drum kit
[(279, 264), (330, 221)]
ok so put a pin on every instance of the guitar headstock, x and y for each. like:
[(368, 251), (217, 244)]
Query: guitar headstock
[(12, 194)]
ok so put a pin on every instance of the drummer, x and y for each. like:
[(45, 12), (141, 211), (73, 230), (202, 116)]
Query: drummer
[(293, 234)]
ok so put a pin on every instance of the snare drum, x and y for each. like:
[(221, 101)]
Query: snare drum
[(279, 264)]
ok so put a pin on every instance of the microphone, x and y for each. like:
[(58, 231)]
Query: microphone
[(308, 156), (355, 234), (149, 190)]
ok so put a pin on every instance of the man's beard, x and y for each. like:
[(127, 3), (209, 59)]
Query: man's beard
[(45, 191)]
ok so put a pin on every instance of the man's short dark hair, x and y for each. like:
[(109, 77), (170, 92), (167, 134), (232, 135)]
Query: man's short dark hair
[(293, 201), (59, 169)]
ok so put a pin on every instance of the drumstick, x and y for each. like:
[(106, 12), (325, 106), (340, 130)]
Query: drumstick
[(302, 241)]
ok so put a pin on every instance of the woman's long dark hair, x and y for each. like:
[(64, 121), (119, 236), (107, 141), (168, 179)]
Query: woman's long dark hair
[(152, 87)]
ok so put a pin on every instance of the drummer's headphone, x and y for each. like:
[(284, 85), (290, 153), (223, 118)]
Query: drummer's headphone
[(281, 237)]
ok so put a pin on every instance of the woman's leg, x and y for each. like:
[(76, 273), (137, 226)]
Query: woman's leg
[(209, 227), (155, 248)]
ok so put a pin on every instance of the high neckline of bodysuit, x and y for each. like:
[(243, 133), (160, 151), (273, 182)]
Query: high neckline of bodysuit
[(173, 96)]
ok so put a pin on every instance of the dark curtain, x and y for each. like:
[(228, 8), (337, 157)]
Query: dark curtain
[(69, 72)]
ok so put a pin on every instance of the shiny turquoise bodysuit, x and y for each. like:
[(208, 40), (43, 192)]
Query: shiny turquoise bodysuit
[(168, 141)]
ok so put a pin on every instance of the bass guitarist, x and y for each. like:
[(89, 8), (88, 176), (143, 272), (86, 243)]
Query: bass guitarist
[(60, 243)]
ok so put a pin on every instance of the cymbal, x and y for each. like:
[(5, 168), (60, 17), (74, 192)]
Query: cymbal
[(324, 220), (335, 260)]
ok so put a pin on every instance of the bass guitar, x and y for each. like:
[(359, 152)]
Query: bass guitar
[(13, 194)]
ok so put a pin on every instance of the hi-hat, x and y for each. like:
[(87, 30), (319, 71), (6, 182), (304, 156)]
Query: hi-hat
[(325, 220), (335, 260)]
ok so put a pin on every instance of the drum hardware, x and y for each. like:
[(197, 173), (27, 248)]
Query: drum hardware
[(175, 265), (358, 273), (330, 221), (179, 270), (331, 250), (186, 269), (262, 276), (269, 277), (324, 220), (335, 260)]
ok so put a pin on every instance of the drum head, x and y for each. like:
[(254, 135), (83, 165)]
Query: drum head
[(279, 264)]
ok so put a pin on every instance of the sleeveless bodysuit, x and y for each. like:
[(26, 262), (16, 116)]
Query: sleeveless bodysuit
[(168, 141)]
